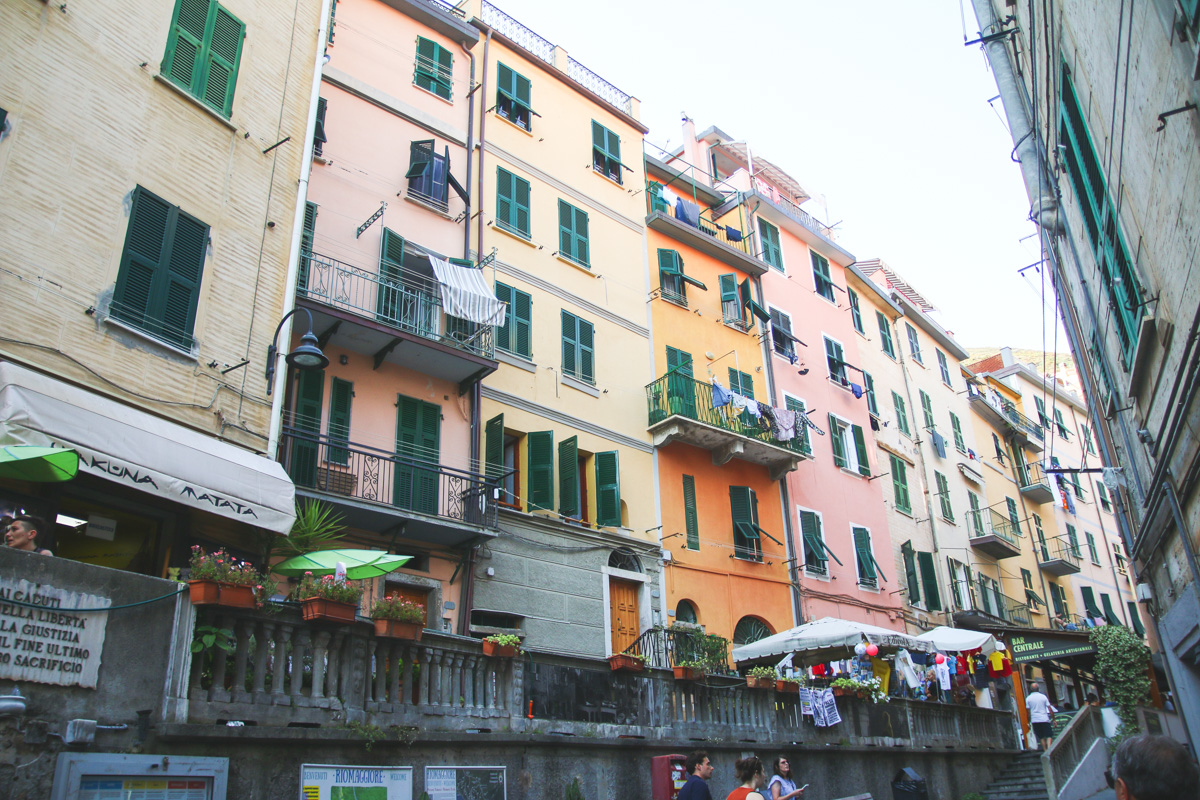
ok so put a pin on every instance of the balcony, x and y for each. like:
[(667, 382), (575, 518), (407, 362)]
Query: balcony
[(681, 410), (982, 604), (1058, 557), (396, 318), (999, 538), (1035, 487), (706, 236), (1002, 414), (378, 491), (1026, 430)]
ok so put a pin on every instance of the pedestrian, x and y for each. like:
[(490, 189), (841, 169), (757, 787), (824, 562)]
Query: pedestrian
[(750, 774), (1041, 716), (782, 786), (1153, 768), (699, 769), (31, 534)]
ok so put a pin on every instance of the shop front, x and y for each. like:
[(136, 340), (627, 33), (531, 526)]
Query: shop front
[(146, 488)]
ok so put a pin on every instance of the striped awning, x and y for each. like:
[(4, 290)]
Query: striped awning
[(465, 294)]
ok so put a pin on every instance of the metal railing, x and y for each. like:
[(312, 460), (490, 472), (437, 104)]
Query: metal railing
[(707, 225), (801, 216), (676, 394), (597, 85), (403, 300), (447, 8), (1059, 549), (1033, 475), (993, 524), (983, 596), (1022, 422), (664, 648), (317, 461), (1069, 748)]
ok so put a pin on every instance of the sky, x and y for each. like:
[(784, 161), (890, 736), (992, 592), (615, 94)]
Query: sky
[(875, 107)]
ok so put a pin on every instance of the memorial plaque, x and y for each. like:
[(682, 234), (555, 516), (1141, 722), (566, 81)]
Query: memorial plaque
[(48, 636)]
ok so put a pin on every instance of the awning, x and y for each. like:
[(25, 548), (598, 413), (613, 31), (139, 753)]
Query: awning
[(956, 640), (971, 474), (465, 293), (827, 638), (144, 452)]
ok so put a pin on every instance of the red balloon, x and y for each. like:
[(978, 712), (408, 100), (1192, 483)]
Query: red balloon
[(872, 650), (939, 658)]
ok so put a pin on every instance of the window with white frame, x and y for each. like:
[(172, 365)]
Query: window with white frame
[(849, 446), (869, 572)]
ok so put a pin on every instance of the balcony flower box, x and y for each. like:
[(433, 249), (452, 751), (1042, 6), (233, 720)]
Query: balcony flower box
[(501, 645), (760, 683), (218, 593), (620, 662), (323, 609), (687, 673), (787, 687), (395, 629)]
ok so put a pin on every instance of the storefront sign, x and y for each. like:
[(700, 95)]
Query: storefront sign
[(340, 782), (465, 783), (44, 638), (1039, 648)]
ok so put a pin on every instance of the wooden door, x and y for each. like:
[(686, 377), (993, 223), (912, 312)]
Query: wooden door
[(623, 607)]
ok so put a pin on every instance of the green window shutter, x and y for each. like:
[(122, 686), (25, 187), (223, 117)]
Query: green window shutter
[(310, 392), (504, 294), (900, 485), (341, 394), (768, 235), (670, 272), (862, 550), (512, 202), (914, 343), (1073, 539), (570, 344), (513, 96), (869, 391), (224, 55), (418, 434), (573, 233), (731, 307), (158, 284), (855, 310), (835, 361), (1091, 545), (493, 447), (927, 411), (587, 352), (1013, 516), (541, 469), (885, 334), (606, 152), (1062, 425), (943, 490), (608, 489), (910, 573), (743, 507), (956, 426), (792, 404), (837, 437), (1089, 602), (568, 478), (306, 245), (822, 282), (944, 368), (741, 383), (976, 514), (691, 521), (514, 335), (1135, 618), (814, 546), (933, 598), (434, 67), (183, 62), (860, 448), (901, 414), (1041, 412), (319, 138)]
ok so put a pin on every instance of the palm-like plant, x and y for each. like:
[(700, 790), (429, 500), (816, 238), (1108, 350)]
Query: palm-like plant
[(317, 527)]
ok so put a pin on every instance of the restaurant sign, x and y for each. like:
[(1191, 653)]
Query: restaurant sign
[(1039, 648)]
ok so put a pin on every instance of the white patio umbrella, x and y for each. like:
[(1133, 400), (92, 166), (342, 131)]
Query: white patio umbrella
[(827, 638), (956, 640)]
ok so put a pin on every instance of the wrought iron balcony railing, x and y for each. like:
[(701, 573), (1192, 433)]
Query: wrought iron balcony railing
[(1054, 550), (672, 647), (401, 299), (741, 240), (1022, 422), (339, 467), (676, 394), (985, 597)]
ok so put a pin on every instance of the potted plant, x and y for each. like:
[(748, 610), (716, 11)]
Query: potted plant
[(502, 645), (787, 685), (690, 670), (627, 662), (761, 678), (399, 618), (864, 688), (327, 598), (220, 579)]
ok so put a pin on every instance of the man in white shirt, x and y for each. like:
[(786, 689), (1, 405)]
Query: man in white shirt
[(1041, 716)]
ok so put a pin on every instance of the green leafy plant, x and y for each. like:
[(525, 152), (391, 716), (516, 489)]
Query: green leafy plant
[(799, 679), (504, 640), (398, 609), (974, 796), (1121, 663), (210, 636), (761, 672), (222, 567), (868, 688), (372, 733), (328, 588), (317, 527), (574, 791)]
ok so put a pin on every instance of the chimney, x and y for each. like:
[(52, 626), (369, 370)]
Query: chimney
[(1006, 356)]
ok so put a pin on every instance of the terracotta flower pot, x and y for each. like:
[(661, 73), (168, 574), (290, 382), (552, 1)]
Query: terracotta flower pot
[(760, 683), (499, 650), (686, 673), (231, 595), (623, 663), (395, 629), (318, 608), (787, 687), (840, 692)]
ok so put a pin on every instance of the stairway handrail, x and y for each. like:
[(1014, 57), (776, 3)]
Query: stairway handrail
[(1069, 748)]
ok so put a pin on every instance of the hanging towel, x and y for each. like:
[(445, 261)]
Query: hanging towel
[(857, 390), (737, 402), (670, 197), (752, 408), (733, 233), (785, 424), (939, 444), (905, 667), (687, 211), (720, 396), (466, 294)]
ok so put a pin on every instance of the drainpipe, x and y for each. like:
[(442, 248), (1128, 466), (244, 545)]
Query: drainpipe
[(293, 270), (482, 140)]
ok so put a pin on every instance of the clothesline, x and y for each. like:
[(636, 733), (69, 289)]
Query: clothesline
[(780, 421)]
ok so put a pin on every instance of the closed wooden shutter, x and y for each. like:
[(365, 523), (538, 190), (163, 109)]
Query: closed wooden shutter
[(862, 549), (573, 232), (933, 598), (568, 477), (690, 519), (608, 489), (493, 447), (541, 469), (224, 55), (341, 395), (418, 428), (183, 62), (860, 447), (306, 245), (837, 437), (310, 392), (910, 572)]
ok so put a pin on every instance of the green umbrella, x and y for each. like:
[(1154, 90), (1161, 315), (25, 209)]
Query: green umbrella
[(360, 564), (38, 464)]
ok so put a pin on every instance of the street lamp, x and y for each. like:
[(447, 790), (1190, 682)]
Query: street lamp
[(306, 356)]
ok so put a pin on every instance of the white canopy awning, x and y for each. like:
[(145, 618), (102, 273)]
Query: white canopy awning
[(465, 293), (827, 638), (956, 640), (138, 450)]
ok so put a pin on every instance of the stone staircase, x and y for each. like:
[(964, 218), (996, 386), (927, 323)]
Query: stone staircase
[(1022, 779)]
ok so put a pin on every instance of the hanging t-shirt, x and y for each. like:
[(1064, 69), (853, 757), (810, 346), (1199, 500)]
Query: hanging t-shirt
[(943, 676)]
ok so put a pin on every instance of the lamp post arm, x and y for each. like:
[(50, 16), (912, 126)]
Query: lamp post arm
[(273, 350)]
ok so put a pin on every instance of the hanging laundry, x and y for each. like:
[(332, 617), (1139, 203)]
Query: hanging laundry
[(785, 424), (803, 417), (904, 666), (766, 419), (882, 670), (733, 233), (670, 197), (721, 396), (874, 423), (857, 390), (939, 443), (971, 455), (737, 402), (943, 676), (752, 408), (687, 211)]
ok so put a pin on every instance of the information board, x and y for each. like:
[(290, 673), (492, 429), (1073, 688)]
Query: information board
[(341, 782), (95, 788), (45, 639), (465, 783)]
